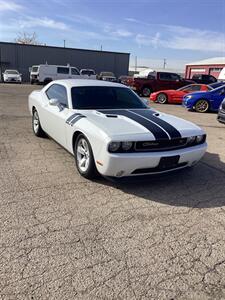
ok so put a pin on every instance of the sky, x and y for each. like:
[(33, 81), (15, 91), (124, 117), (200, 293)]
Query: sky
[(180, 31)]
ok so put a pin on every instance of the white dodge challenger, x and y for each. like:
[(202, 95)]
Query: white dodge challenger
[(110, 131)]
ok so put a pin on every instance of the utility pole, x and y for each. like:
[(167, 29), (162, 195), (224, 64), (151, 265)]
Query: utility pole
[(135, 66), (164, 63), (64, 43), (101, 48)]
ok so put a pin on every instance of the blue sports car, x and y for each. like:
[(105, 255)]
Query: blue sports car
[(205, 101)]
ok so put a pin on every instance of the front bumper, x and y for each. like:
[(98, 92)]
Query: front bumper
[(221, 116), (133, 164), (12, 79)]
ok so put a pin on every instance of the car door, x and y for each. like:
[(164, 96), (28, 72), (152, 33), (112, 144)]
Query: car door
[(54, 117), (74, 73), (217, 98), (63, 72), (168, 81)]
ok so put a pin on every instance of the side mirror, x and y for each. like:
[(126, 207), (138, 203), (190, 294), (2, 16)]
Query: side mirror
[(54, 102)]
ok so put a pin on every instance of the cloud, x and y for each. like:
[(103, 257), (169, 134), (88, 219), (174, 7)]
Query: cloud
[(9, 6), (30, 22), (144, 40), (117, 33), (183, 38)]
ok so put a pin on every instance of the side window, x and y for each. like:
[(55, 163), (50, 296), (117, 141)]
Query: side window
[(169, 76), (74, 71), (62, 70), (196, 88), (57, 91)]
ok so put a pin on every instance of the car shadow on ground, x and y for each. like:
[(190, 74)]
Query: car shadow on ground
[(202, 186)]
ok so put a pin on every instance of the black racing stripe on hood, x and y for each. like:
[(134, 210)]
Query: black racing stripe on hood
[(158, 132), (150, 114), (74, 118)]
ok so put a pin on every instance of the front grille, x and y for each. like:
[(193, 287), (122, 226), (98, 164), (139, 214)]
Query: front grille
[(160, 145)]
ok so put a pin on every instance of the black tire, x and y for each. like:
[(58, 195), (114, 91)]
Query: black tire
[(90, 172), (47, 80), (162, 98), (146, 91), (31, 82), (201, 106), (36, 125)]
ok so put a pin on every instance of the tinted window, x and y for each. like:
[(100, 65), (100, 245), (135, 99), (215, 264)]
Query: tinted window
[(195, 88), (196, 76), (62, 70), (57, 91), (212, 79), (87, 72), (74, 71), (104, 97), (34, 69), (169, 76)]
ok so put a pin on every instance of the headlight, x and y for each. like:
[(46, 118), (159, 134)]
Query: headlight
[(114, 146), (127, 145), (191, 139), (199, 139), (188, 97)]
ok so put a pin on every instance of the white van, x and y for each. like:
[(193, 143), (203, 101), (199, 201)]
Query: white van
[(46, 73)]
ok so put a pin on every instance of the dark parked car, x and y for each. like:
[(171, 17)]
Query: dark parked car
[(221, 113), (158, 81), (107, 76), (203, 78)]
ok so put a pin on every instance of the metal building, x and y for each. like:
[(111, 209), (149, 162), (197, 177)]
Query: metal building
[(22, 57), (211, 66)]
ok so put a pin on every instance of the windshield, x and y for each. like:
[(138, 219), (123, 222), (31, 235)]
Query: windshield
[(87, 72), (12, 72), (104, 97), (34, 69), (107, 74), (218, 89), (184, 88)]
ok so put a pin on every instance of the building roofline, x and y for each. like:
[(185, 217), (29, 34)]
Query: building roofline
[(208, 61), (65, 48)]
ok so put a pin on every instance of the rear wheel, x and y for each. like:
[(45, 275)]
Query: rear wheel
[(36, 125), (162, 98), (84, 158), (202, 106), (146, 91)]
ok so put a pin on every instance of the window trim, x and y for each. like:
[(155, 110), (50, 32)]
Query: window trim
[(57, 84)]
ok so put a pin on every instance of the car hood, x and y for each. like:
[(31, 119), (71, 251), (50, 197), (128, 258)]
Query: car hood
[(12, 75), (139, 124)]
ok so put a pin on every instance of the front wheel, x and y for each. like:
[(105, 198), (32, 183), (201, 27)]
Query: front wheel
[(162, 98), (146, 91), (202, 106), (36, 125), (84, 158)]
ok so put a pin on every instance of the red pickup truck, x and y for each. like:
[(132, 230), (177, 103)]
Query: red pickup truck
[(158, 81)]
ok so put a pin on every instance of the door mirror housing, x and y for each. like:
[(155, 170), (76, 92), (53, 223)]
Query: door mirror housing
[(54, 102)]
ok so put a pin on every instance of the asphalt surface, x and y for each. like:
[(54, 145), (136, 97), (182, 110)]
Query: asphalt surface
[(64, 237)]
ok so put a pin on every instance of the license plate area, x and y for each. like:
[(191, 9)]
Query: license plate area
[(168, 162)]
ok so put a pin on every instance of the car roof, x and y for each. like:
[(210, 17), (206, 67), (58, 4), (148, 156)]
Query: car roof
[(86, 82)]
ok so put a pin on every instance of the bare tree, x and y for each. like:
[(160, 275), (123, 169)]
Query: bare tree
[(27, 38)]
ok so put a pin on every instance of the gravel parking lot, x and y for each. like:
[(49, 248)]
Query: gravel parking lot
[(64, 237)]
